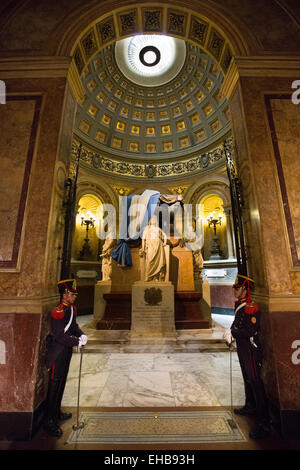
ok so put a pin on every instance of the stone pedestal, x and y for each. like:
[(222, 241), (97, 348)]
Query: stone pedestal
[(153, 310), (205, 302), (117, 315), (181, 269)]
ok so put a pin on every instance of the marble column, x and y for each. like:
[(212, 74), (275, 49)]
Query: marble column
[(36, 127), (265, 124)]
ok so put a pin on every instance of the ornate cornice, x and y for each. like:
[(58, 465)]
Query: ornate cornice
[(274, 66), (34, 67), (119, 168)]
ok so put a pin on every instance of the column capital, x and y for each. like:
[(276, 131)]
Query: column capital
[(259, 66)]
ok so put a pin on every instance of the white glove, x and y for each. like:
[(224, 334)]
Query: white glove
[(83, 339), (228, 336)]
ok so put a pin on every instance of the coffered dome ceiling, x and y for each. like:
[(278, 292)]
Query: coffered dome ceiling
[(152, 98)]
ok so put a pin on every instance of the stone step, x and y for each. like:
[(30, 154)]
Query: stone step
[(144, 346), (187, 340)]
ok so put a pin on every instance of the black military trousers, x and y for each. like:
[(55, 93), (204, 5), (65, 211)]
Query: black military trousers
[(60, 368), (250, 362), (58, 376)]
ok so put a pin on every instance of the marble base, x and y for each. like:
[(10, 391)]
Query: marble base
[(152, 314), (117, 315), (101, 288), (188, 312), (205, 301)]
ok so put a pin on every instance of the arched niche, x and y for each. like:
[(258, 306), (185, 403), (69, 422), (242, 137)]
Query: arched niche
[(214, 203), (89, 206)]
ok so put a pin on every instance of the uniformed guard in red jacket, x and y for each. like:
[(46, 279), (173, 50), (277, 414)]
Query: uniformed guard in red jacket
[(65, 333), (245, 331)]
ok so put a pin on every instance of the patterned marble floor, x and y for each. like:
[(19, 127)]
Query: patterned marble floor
[(155, 379)]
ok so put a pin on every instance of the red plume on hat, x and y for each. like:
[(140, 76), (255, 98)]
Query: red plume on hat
[(244, 281)]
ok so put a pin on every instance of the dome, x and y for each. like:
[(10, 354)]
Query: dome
[(152, 97)]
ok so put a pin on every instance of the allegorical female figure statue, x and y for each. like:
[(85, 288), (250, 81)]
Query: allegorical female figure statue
[(153, 242), (106, 258)]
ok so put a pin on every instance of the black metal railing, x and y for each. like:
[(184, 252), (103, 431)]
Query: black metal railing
[(70, 205), (237, 204)]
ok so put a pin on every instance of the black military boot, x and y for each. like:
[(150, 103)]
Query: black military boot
[(49, 424), (249, 409), (261, 431), (64, 416), (263, 427), (61, 416), (52, 428), (244, 411)]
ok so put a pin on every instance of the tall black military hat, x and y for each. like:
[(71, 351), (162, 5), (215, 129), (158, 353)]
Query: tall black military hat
[(246, 282), (243, 281), (67, 285)]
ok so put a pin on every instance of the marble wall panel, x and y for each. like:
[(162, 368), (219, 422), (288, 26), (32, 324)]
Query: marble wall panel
[(221, 296), (18, 128), (286, 330), (284, 122), (29, 281), (269, 373), (17, 375), (263, 203)]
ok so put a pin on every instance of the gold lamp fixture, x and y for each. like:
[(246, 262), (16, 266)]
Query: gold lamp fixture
[(214, 219), (87, 221)]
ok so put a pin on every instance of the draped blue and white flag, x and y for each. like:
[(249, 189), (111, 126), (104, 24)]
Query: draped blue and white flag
[(136, 211)]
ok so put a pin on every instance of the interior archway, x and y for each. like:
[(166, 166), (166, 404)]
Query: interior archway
[(202, 25), (46, 62)]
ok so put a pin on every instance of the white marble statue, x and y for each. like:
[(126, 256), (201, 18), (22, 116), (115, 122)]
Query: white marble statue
[(108, 247), (198, 264), (153, 243)]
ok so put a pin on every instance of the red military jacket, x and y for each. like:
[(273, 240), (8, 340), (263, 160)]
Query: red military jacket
[(60, 320), (246, 322)]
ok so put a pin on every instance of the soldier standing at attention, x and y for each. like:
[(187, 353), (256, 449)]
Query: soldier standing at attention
[(65, 333), (245, 330)]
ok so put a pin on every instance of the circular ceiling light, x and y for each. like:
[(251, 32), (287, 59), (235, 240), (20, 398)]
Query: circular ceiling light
[(149, 56), (150, 60)]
